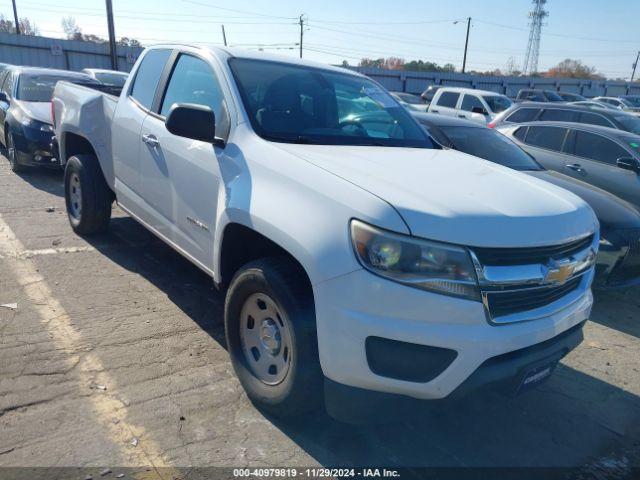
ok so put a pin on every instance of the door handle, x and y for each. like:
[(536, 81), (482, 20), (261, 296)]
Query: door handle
[(150, 140), (462, 116), (574, 166), (435, 111)]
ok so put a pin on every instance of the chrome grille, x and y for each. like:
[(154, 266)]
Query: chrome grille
[(529, 256), (503, 303)]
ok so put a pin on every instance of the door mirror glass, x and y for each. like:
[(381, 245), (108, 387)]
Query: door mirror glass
[(480, 110), (188, 120), (3, 97), (629, 163)]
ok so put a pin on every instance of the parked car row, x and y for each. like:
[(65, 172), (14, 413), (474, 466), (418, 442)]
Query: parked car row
[(26, 124), (362, 257), (527, 149)]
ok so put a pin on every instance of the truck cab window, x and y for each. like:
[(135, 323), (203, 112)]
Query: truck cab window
[(148, 76), (193, 81)]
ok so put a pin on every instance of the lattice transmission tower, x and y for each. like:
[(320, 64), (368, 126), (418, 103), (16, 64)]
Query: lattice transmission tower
[(537, 16)]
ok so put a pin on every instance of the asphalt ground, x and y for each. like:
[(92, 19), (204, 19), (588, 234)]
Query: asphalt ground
[(115, 358)]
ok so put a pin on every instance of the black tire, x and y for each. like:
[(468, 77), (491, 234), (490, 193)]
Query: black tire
[(279, 278), (12, 155), (95, 195)]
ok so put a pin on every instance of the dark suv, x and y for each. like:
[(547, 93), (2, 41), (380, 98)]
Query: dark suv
[(550, 112), (536, 95)]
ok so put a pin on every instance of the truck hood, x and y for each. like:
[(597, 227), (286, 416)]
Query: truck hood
[(454, 197), (40, 111)]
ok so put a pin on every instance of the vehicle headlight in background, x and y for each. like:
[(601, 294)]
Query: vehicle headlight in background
[(424, 264)]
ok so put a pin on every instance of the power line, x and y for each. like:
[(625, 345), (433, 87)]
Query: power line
[(255, 14)]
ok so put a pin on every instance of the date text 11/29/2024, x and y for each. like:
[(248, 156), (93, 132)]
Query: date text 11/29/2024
[(316, 473)]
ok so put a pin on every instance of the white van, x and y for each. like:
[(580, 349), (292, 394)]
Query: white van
[(478, 105)]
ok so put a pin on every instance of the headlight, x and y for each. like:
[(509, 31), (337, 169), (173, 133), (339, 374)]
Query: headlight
[(433, 266)]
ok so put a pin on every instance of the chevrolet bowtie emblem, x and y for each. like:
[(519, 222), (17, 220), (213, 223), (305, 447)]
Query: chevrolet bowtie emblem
[(559, 271)]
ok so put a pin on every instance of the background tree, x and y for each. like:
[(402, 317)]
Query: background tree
[(26, 27), (570, 68)]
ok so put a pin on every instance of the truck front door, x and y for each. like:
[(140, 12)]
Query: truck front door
[(181, 177)]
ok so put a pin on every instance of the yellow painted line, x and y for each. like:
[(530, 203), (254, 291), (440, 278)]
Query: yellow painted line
[(108, 410)]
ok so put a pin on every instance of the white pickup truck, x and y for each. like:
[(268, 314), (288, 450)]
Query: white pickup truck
[(358, 258)]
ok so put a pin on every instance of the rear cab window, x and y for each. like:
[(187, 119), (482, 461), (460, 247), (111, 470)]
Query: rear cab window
[(550, 138), (522, 115), (148, 76), (595, 119), (469, 102), (448, 99), (559, 115), (597, 147)]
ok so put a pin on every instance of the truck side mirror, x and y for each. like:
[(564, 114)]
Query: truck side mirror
[(3, 97), (480, 110), (629, 163), (190, 120)]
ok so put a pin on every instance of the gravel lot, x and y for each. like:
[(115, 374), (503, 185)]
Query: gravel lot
[(115, 357)]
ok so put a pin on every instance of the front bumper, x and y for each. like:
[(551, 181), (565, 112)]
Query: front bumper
[(34, 147), (504, 373), (359, 305)]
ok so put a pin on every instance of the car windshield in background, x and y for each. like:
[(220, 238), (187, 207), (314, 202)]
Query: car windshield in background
[(297, 104), (497, 103), (490, 145), (633, 100), (629, 122), (39, 88), (553, 96), (411, 99), (112, 79)]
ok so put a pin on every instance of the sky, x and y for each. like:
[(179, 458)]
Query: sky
[(603, 34)]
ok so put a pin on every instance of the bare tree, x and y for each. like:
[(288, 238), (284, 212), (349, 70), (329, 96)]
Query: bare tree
[(26, 27)]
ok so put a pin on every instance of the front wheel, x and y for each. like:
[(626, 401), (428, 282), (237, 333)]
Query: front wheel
[(87, 196), (12, 154), (271, 336)]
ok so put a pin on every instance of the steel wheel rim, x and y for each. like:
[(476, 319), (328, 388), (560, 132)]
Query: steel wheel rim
[(75, 196), (265, 337)]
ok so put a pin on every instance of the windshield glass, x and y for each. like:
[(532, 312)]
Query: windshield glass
[(553, 96), (412, 99), (497, 103), (39, 88), (490, 145), (633, 100), (629, 123), (112, 79), (299, 104)]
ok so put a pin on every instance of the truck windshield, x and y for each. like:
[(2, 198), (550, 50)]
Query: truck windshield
[(493, 146), (299, 104), (497, 103), (39, 88), (112, 79)]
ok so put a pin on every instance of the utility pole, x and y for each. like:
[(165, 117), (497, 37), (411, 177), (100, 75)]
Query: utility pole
[(15, 17), (635, 64), (112, 36), (301, 32), (466, 45), (224, 36)]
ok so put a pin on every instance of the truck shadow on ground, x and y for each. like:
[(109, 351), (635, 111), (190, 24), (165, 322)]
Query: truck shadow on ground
[(572, 418)]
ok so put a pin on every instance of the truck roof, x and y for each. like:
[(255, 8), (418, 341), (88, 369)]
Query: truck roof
[(232, 52)]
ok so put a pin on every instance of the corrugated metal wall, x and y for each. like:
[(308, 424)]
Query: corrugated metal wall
[(63, 54), (416, 82)]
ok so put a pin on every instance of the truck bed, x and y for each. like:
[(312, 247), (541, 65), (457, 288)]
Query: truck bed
[(85, 112)]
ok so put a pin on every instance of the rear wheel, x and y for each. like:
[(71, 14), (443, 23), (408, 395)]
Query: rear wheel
[(271, 335), (87, 195), (12, 154)]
